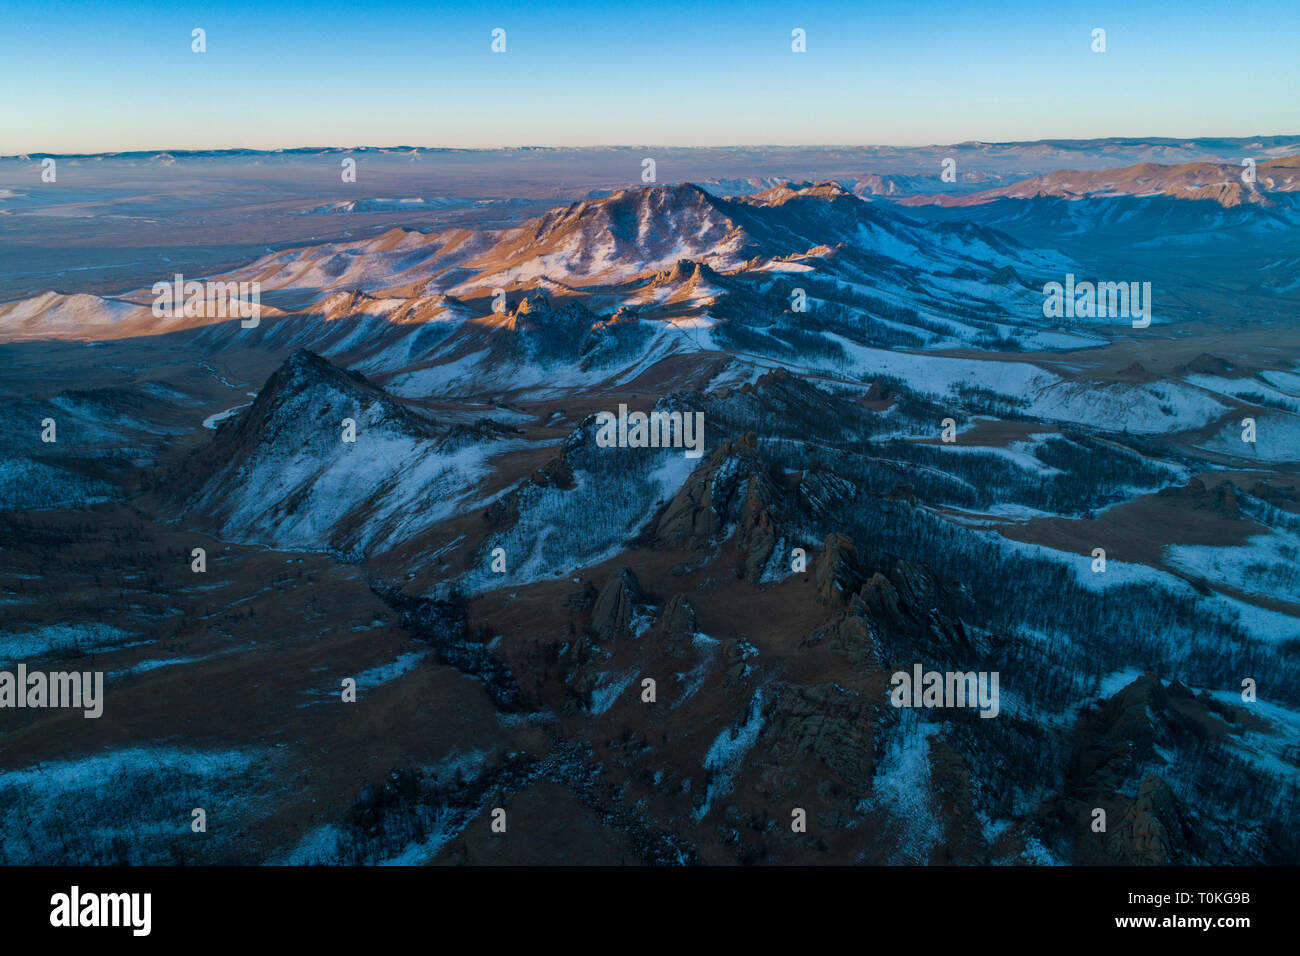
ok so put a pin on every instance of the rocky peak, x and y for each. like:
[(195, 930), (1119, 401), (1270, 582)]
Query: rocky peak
[(678, 618), (733, 490), (615, 609), (839, 572)]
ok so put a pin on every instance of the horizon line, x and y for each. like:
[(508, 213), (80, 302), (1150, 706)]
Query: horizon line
[(197, 150)]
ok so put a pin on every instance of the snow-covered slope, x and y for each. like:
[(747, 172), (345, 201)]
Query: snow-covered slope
[(291, 471)]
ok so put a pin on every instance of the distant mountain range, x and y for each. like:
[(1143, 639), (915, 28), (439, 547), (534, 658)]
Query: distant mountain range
[(1228, 185), (1145, 149)]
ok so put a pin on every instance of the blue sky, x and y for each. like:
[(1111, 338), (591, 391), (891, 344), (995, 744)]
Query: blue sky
[(87, 77)]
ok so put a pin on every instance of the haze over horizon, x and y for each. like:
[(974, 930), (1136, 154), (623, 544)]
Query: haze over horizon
[(393, 147)]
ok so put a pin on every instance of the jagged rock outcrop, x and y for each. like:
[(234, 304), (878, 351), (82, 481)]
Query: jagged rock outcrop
[(615, 610), (1222, 499), (543, 329), (1153, 831), (821, 493), (918, 617), (733, 490), (1207, 364), (838, 571), (1276, 496), (1130, 736), (678, 619), (852, 634), (834, 727), (881, 618), (682, 272)]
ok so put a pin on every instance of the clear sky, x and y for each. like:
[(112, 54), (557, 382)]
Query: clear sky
[(90, 77)]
